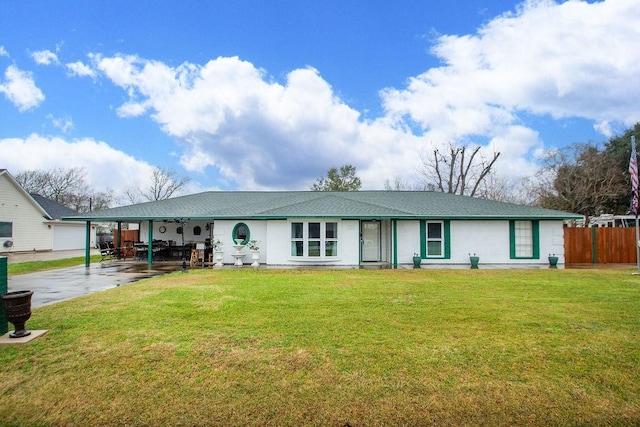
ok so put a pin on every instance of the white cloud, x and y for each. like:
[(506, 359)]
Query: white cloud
[(256, 132), (80, 70), (45, 57), (3, 51), (562, 60), (573, 59), (20, 88), (64, 124), (105, 166)]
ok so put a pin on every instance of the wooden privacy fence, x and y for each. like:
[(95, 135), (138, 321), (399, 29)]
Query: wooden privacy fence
[(600, 245)]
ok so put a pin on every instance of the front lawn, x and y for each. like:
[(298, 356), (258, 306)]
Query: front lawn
[(335, 347)]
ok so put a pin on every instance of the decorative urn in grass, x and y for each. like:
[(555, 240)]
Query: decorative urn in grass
[(17, 307), (553, 261)]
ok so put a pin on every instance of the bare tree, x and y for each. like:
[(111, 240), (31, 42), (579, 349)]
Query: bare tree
[(459, 170), (164, 184), (498, 188), (65, 186), (583, 179), (398, 184)]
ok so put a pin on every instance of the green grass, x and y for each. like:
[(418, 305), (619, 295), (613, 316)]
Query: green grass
[(35, 266), (335, 347)]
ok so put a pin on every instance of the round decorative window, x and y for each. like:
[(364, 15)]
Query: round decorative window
[(241, 232), (162, 229), (179, 230)]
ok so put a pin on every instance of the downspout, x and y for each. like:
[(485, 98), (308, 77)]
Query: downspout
[(87, 245), (150, 243)]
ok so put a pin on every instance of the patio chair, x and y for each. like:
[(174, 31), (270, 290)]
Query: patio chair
[(106, 252)]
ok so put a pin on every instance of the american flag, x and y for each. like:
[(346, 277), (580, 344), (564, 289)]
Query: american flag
[(633, 171)]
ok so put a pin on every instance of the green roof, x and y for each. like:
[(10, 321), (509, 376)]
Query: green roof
[(319, 204)]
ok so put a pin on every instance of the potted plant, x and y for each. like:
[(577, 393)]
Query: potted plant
[(474, 259), (553, 261), (417, 260), (255, 252), (217, 250)]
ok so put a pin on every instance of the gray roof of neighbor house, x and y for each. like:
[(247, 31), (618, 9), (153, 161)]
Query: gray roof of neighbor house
[(321, 204), (54, 209)]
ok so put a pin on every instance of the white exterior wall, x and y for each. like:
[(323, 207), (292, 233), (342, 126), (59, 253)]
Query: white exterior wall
[(279, 244), (30, 231), (274, 239), (488, 239), (408, 240)]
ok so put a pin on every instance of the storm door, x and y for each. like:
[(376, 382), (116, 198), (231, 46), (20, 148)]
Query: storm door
[(370, 241)]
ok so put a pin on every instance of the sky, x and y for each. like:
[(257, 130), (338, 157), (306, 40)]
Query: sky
[(268, 95)]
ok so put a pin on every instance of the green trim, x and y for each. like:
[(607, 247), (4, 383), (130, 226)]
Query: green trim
[(536, 239), (234, 233), (423, 239), (87, 245), (150, 243), (535, 236), (395, 242), (446, 235), (512, 239), (447, 239)]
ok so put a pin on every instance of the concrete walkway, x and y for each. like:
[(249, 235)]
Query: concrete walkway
[(62, 284)]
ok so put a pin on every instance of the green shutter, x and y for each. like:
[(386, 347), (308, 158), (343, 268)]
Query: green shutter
[(423, 239), (535, 225), (535, 235), (447, 239), (512, 239)]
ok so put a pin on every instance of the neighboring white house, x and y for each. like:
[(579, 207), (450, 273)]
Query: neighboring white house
[(352, 228), (32, 222)]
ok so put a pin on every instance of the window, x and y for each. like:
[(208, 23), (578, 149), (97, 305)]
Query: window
[(314, 239), (6, 229), (241, 232), (524, 240), (435, 237), (435, 242)]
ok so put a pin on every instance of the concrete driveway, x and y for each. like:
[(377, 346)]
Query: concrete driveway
[(58, 285)]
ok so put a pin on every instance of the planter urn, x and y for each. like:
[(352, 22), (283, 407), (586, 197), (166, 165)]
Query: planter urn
[(474, 261), (218, 255), (553, 261), (417, 261), (255, 257), (17, 307)]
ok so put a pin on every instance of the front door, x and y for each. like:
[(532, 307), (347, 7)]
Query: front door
[(370, 241)]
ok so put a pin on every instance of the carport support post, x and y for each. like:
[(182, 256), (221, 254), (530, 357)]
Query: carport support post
[(4, 326), (119, 239), (87, 245), (150, 246)]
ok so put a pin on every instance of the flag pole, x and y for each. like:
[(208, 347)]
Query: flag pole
[(634, 202)]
